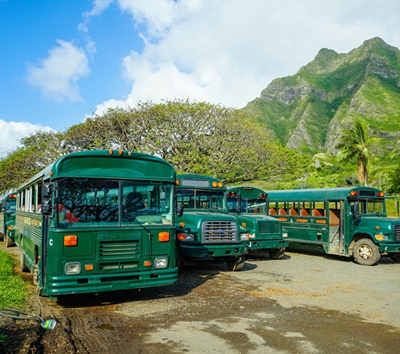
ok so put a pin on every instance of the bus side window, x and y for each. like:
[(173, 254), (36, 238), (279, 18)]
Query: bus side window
[(334, 217), (304, 212), (282, 211), (318, 212), (272, 211), (293, 211)]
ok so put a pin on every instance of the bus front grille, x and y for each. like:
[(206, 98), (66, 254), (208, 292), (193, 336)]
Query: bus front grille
[(397, 232), (219, 231), (268, 227), (119, 249)]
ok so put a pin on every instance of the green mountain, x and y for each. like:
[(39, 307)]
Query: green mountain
[(307, 111)]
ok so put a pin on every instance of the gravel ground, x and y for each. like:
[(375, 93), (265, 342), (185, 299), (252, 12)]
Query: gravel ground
[(304, 303)]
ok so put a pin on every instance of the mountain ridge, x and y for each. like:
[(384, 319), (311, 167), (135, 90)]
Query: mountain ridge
[(306, 111)]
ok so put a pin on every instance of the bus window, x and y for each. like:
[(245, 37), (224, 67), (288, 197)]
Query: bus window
[(318, 209), (305, 209)]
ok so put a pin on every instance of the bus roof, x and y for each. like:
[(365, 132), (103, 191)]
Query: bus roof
[(110, 164), (247, 191), (319, 194)]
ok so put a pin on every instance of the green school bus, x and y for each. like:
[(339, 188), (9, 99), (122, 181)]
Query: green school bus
[(249, 206), (344, 221), (7, 218), (205, 230), (97, 221)]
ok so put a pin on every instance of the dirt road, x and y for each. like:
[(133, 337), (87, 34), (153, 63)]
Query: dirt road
[(305, 303)]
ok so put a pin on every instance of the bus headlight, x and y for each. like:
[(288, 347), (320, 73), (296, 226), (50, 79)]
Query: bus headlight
[(72, 268), (185, 237), (161, 262), (244, 237), (381, 237), (284, 234)]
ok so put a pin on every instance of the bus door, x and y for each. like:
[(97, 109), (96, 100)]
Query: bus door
[(336, 228)]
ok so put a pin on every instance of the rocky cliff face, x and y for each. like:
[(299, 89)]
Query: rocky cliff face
[(308, 110)]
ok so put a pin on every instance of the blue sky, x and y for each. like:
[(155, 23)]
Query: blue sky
[(63, 60)]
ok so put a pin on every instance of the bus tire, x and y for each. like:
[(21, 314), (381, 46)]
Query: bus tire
[(236, 263), (9, 240), (365, 252), (277, 254), (395, 257), (22, 259)]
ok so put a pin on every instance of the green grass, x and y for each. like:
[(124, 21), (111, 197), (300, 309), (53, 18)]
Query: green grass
[(13, 291)]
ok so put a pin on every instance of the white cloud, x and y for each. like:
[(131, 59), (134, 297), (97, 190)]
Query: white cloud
[(228, 51), (58, 74), (12, 132)]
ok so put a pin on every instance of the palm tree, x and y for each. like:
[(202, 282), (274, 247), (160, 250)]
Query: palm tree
[(356, 143)]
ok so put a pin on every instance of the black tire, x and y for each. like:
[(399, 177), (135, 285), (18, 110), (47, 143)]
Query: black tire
[(395, 257), (9, 241), (277, 254), (236, 263), (365, 252), (22, 259)]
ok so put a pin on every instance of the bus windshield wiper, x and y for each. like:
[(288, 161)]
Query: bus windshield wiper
[(134, 219)]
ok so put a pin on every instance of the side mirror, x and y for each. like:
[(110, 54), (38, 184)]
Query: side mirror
[(356, 213), (47, 189), (179, 210)]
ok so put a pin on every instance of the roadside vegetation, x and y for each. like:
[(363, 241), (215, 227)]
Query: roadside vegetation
[(13, 291)]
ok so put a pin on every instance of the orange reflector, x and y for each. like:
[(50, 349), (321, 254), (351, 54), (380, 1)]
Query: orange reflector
[(9, 228), (214, 184), (111, 151), (181, 237), (70, 240), (89, 266), (147, 263), (243, 224), (177, 182), (51, 173), (182, 224), (220, 184), (163, 236), (120, 152)]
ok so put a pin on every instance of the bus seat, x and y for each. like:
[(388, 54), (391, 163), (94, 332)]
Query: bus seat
[(293, 211), (304, 212), (272, 211), (282, 211), (334, 217), (318, 212)]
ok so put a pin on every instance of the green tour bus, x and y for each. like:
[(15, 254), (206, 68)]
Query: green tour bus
[(349, 221), (205, 230), (97, 221), (7, 218), (249, 206)]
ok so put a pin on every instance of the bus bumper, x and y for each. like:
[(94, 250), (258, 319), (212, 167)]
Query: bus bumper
[(212, 251), (267, 245), (65, 285), (389, 247)]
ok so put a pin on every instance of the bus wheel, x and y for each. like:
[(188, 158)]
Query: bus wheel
[(236, 263), (22, 259), (395, 257), (9, 240), (277, 254), (365, 252)]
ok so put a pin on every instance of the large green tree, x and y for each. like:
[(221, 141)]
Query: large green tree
[(356, 144)]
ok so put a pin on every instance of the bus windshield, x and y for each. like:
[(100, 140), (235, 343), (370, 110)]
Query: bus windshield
[(11, 206), (197, 199), (248, 205), (368, 207), (93, 202)]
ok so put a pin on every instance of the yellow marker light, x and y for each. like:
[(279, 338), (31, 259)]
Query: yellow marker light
[(220, 184), (111, 151), (214, 184), (147, 263), (70, 240), (51, 173), (163, 236), (120, 152), (381, 194), (243, 224), (182, 224), (11, 227), (380, 237), (89, 267), (177, 182), (377, 227)]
